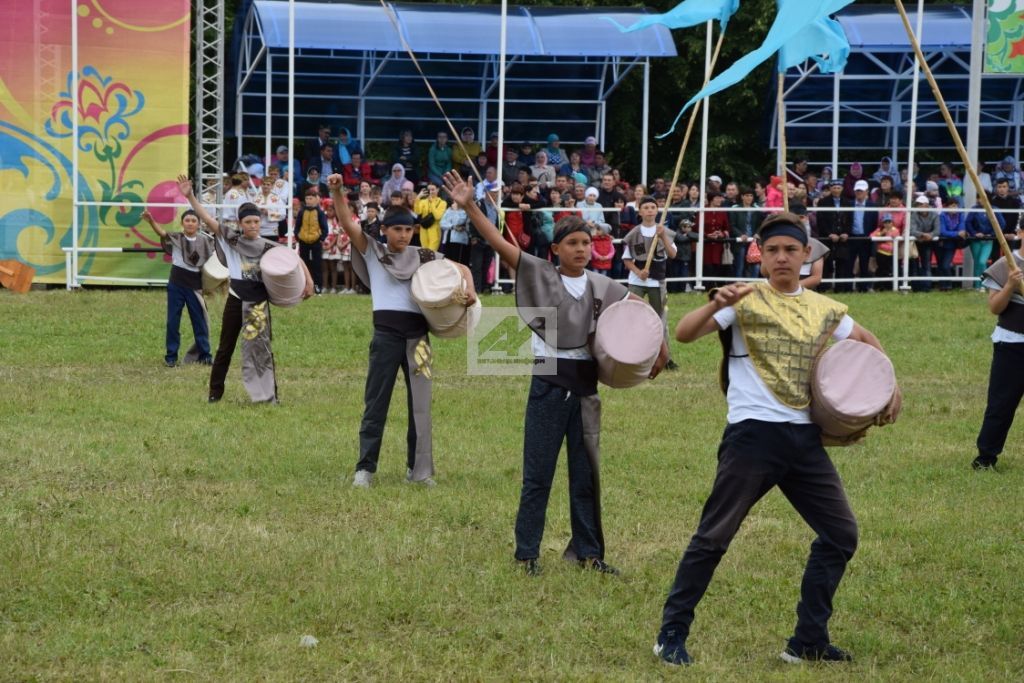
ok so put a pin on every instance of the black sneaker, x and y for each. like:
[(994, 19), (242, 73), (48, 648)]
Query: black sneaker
[(171, 363), (796, 652), (206, 360), (671, 649), (984, 464), (213, 398), (531, 567), (600, 566), (671, 365)]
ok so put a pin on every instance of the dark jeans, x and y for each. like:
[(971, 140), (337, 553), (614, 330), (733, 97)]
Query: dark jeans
[(860, 253), (387, 355), (947, 250), (1005, 390), (178, 298), (312, 255), (922, 267), (554, 415), (456, 252), (480, 256), (677, 268), (753, 458)]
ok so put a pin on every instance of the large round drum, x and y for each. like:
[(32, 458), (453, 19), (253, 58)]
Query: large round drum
[(851, 385), (214, 274), (283, 276), (440, 291), (626, 343)]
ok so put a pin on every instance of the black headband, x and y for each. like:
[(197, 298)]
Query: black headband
[(247, 211), (564, 231), (784, 230), (393, 218)]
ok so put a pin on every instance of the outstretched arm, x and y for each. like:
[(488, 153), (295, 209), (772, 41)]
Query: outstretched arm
[(348, 223), (185, 188), (148, 217), (700, 322), (462, 192)]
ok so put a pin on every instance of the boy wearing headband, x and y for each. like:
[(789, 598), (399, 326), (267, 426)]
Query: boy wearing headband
[(399, 336), (771, 331), (247, 308), (563, 406), (1006, 381), (189, 251)]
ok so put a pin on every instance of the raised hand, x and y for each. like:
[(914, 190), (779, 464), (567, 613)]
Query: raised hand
[(147, 216), (184, 185), (335, 181), (460, 190)]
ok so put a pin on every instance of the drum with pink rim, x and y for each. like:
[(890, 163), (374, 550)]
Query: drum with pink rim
[(626, 343), (851, 385), (440, 291), (283, 276)]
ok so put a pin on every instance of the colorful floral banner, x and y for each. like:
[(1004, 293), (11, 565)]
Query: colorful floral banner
[(1004, 51), (132, 114)]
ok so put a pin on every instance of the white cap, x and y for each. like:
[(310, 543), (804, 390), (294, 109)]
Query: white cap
[(860, 185), (591, 192), (921, 199), (716, 179), (591, 140)]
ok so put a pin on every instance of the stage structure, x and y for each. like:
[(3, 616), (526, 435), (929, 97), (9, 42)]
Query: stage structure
[(351, 71)]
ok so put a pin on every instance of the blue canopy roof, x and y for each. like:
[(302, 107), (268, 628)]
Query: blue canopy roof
[(880, 28), (463, 29)]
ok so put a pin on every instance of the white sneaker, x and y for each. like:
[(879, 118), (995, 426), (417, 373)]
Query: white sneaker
[(362, 479)]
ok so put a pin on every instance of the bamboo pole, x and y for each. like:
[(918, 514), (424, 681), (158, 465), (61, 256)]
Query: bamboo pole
[(968, 164), (782, 140), (686, 142)]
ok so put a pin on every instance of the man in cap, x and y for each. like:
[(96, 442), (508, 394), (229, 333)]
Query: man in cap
[(770, 440), (863, 221)]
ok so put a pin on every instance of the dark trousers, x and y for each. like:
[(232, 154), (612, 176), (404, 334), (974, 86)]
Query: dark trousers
[(480, 256), (387, 355), (922, 267), (179, 297), (753, 458), (1005, 390), (230, 327), (553, 415), (312, 255), (456, 252), (860, 253), (946, 253)]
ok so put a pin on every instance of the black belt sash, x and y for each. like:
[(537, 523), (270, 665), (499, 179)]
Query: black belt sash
[(183, 277), (252, 291)]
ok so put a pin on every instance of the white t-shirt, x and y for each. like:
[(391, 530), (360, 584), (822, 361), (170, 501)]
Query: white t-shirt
[(576, 287), (388, 292), (633, 279), (748, 397)]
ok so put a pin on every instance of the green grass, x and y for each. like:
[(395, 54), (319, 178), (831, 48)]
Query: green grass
[(145, 535)]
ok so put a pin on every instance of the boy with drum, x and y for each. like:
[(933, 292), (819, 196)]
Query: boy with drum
[(563, 405), (772, 331), (399, 336)]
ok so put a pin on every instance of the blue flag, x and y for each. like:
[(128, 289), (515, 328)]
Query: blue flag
[(802, 30), (687, 13)]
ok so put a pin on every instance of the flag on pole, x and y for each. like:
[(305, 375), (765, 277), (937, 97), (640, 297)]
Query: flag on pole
[(685, 14), (801, 30)]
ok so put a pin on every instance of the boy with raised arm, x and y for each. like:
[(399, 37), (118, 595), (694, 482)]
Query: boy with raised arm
[(400, 338), (563, 406), (772, 333)]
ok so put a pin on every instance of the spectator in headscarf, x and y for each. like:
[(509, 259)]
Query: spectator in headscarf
[(887, 169), (397, 182)]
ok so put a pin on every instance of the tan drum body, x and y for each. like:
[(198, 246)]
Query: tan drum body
[(438, 289), (626, 343), (851, 385), (215, 274), (283, 276)]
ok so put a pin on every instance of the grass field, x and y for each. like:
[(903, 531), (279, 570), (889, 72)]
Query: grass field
[(146, 535)]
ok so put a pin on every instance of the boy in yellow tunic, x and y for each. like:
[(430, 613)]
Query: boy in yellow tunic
[(772, 332)]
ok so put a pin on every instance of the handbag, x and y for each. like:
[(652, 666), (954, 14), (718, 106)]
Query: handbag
[(727, 256), (525, 239), (753, 252)]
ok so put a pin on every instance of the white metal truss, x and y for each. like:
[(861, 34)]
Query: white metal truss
[(209, 94)]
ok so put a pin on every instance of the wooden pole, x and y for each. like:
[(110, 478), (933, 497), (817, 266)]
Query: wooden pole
[(968, 164), (782, 140), (682, 150)]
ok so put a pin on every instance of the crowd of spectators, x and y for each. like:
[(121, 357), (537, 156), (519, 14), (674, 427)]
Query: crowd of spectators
[(527, 188)]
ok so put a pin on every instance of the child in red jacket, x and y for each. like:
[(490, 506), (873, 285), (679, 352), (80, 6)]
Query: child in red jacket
[(602, 251)]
